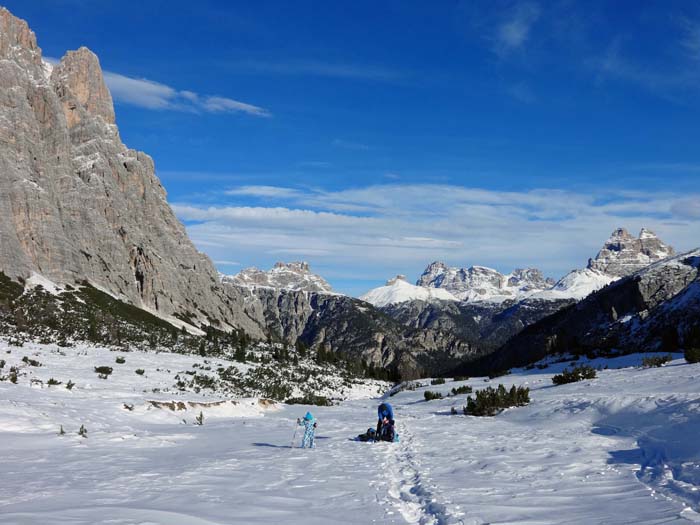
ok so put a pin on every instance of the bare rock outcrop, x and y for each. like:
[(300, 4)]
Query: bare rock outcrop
[(76, 204)]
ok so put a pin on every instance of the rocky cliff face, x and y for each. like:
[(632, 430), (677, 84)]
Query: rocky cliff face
[(624, 254), (77, 204)]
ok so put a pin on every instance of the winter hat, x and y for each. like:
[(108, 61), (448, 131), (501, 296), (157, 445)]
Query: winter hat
[(308, 417)]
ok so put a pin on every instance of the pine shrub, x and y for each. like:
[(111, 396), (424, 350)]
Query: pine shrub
[(429, 396), (83, 431), (70, 384), (140, 371), (61, 432), (53, 382), (465, 389), (656, 361), (310, 399), (438, 381), (491, 401), (578, 373), (120, 360), (499, 373), (461, 378), (692, 355), (199, 420), (103, 372), (30, 362)]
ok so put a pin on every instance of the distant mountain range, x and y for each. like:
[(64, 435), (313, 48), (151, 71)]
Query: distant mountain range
[(621, 255)]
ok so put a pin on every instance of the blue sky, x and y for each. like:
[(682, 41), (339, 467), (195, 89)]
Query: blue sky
[(371, 138)]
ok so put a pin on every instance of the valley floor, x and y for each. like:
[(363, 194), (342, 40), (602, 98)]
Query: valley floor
[(622, 448)]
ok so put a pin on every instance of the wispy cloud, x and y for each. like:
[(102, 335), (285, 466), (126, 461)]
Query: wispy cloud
[(265, 191), (348, 144), (690, 39), (149, 94), (515, 29), (383, 229), (674, 81), (323, 69)]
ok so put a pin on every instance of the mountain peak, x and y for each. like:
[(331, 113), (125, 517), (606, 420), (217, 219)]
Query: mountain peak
[(295, 276), (623, 254), (18, 43), (80, 73)]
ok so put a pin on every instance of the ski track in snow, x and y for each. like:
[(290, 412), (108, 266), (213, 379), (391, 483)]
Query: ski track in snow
[(622, 448)]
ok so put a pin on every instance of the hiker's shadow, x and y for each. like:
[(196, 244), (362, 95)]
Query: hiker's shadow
[(270, 445)]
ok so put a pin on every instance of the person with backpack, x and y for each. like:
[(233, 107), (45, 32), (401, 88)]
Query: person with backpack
[(309, 423), (385, 422)]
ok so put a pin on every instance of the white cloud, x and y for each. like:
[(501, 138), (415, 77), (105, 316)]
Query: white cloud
[(149, 94), (264, 191), (382, 230), (514, 31)]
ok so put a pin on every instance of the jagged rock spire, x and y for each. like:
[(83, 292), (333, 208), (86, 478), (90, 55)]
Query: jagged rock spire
[(623, 254)]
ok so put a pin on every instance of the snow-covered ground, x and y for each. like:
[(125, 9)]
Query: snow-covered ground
[(622, 448)]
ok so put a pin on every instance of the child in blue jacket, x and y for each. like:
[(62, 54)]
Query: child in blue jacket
[(309, 424)]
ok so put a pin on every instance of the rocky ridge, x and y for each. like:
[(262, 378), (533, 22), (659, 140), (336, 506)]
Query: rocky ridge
[(295, 276)]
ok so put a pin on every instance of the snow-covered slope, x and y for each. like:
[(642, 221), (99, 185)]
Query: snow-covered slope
[(398, 290), (296, 276), (577, 284), (618, 449)]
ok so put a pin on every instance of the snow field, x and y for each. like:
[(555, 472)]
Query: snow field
[(621, 448)]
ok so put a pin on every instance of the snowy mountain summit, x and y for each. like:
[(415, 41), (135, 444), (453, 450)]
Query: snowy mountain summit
[(621, 255), (479, 283), (399, 290), (295, 276)]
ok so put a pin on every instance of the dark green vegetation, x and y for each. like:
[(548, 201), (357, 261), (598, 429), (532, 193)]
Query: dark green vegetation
[(438, 381), (491, 401), (692, 355), (465, 389), (656, 361), (429, 396), (578, 373), (310, 399)]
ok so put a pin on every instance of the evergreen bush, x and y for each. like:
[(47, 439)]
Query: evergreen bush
[(656, 361), (429, 396), (310, 399), (438, 381), (692, 355), (465, 389), (103, 372), (578, 373), (491, 401)]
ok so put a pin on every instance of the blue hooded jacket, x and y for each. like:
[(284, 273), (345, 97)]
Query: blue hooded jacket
[(385, 410)]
